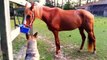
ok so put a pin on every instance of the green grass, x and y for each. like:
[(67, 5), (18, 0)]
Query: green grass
[(44, 50), (18, 43), (75, 41), (70, 40)]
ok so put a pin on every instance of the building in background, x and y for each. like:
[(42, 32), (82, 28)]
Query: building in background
[(99, 8)]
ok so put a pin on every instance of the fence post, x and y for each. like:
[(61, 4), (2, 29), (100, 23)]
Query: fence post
[(6, 43)]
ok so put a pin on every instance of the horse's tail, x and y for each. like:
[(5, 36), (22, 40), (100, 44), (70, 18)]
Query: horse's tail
[(91, 41), (87, 15)]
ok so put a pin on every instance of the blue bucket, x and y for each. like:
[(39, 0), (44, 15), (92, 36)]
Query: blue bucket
[(24, 29)]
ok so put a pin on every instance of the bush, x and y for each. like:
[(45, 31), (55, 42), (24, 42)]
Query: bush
[(68, 6), (49, 4)]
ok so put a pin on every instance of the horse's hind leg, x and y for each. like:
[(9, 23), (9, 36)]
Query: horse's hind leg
[(94, 43), (91, 42), (81, 30), (91, 37)]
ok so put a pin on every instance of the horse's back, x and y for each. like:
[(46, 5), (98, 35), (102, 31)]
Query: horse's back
[(88, 20), (68, 19), (86, 14)]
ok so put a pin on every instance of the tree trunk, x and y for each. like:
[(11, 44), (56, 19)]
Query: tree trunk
[(79, 2), (62, 3), (54, 3), (57, 2)]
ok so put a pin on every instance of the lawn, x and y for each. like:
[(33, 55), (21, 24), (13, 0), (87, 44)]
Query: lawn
[(70, 42)]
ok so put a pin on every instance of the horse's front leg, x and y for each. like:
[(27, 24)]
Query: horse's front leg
[(57, 42)]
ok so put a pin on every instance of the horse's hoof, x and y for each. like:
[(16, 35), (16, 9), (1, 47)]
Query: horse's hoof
[(79, 50), (59, 55), (56, 56), (94, 52)]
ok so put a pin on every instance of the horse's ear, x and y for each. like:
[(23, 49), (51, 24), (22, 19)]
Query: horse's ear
[(26, 5), (35, 35), (32, 6)]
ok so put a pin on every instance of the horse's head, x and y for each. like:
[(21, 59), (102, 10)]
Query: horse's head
[(32, 11)]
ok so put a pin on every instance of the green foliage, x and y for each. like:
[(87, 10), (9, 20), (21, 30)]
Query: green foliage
[(68, 6), (49, 4)]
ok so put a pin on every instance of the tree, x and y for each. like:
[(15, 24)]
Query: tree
[(88, 1), (62, 4), (69, 6), (50, 4), (79, 2)]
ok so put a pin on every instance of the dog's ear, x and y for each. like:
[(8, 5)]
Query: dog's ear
[(35, 35), (27, 36)]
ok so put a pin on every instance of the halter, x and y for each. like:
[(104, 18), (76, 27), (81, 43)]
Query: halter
[(32, 19), (38, 7)]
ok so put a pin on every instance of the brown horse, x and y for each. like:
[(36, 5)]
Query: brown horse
[(61, 20)]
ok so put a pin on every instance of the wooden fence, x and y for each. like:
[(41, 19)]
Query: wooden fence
[(6, 35)]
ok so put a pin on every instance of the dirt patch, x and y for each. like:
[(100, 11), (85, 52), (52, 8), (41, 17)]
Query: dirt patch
[(68, 52), (61, 56), (21, 54)]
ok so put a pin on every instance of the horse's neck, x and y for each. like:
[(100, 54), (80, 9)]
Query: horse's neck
[(45, 14), (48, 9), (38, 11)]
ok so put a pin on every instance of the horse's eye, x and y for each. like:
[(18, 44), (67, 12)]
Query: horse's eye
[(28, 16)]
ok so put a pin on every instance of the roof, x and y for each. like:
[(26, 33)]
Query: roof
[(85, 5), (100, 2), (93, 3)]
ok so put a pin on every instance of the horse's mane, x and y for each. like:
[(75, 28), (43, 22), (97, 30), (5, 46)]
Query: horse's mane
[(38, 4), (52, 8)]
